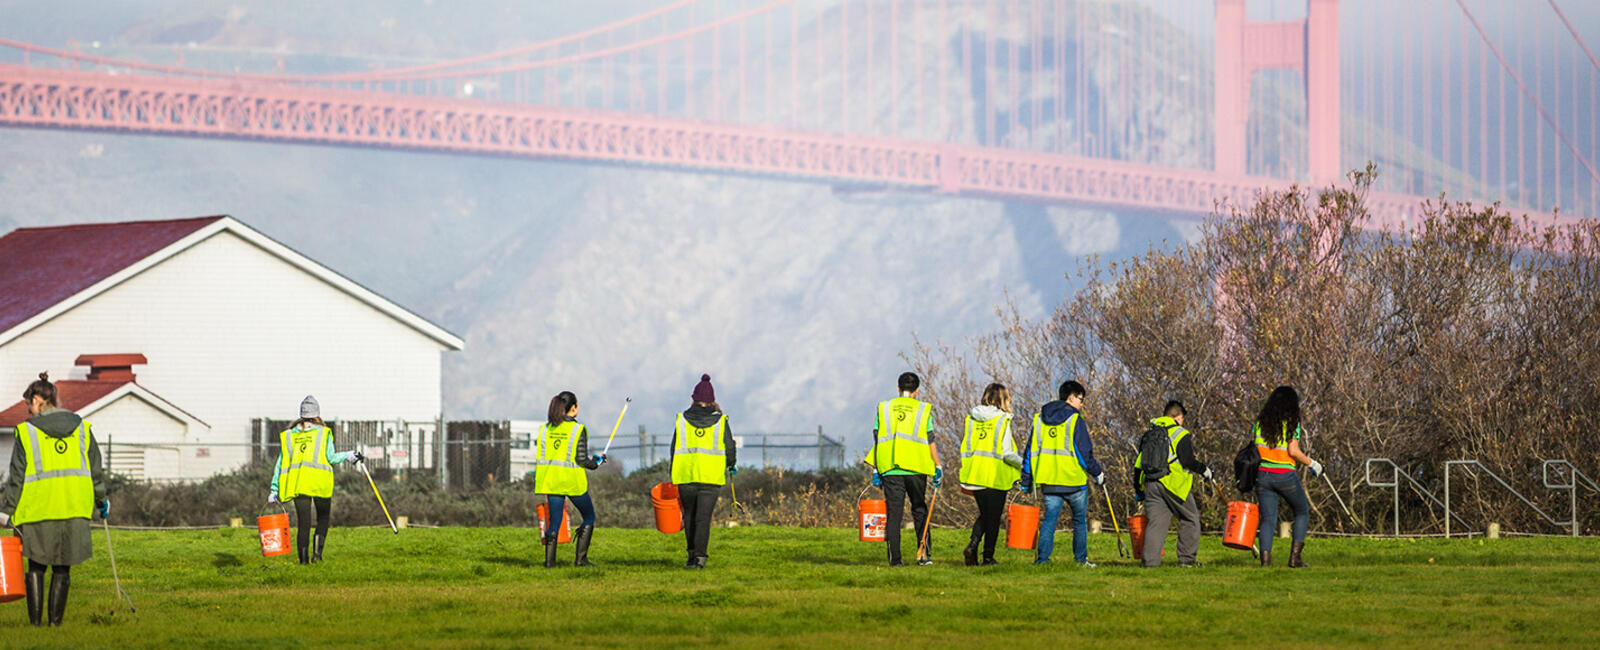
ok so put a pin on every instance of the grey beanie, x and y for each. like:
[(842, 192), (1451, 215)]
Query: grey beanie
[(309, 408)]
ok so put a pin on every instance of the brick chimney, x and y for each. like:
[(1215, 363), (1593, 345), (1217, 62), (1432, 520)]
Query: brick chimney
[(111, 367)]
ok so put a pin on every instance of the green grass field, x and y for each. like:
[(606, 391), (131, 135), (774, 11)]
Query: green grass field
[(805, 587)]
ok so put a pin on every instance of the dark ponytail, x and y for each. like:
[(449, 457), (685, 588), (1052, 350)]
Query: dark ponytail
[(43, 389), (1280, 415), (559, 405)]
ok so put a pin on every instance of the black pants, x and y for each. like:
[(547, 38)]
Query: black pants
[(697, 501), (991, 504), (896, 489), (302, 513)]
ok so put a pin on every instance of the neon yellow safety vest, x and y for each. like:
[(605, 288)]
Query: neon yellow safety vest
[(1054, 454), (557, 470), (56, 483), (982, 451), (1178, 480), (697, 454), (902, 441), (305, 470)]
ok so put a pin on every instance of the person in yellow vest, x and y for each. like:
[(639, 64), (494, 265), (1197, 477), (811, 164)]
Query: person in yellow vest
[(703, 457), (561, 454), (1172, 492), (1060, 463), (1277, 433), (990, 467), (304, 475), (56, 483), (903, 455)]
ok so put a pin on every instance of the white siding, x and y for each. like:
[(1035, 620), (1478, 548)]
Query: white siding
[(233, 332), (146, 443)]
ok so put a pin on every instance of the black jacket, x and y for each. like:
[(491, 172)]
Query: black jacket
[(702, 417)]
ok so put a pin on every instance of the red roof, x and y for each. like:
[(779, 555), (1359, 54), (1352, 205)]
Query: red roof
[(73, 394), (40, 267)]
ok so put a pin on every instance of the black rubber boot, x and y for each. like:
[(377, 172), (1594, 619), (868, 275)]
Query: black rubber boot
[(316, 547), (550, 552), (1266, 558), (33, 583), (699, 562), (58, 596), (305, 557), (1294, 555), (970, 553), (580, 543)]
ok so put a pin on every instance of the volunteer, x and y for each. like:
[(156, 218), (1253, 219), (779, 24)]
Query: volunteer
[(990, 466), (561, 455), (1277, 433), (1060, 462), (703, 456), (904, 455), (1167, 488), (304, 475)]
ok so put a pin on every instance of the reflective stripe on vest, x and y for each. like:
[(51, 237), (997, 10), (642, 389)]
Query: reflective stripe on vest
[(1178, 480), (982, 454), (56, 483), (1054, 454), (1272, 455), (902, 437), (557, 471), (697, 454), (305, 470)]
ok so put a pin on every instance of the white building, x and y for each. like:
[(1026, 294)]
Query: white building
[(234, 325)]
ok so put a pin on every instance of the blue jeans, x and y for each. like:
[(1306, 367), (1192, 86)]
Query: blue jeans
[(1270, 488), (558, 510), (1080, 524)]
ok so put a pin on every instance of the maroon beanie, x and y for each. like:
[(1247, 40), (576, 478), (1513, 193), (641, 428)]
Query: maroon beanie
[(703, 391)]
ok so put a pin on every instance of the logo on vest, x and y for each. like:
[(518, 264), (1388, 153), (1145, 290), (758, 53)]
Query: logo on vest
[(61, 446), (1053, 432), (699, 433)]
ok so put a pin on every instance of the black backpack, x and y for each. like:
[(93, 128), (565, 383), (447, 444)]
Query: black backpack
[(1154, 446), (1245, 465)]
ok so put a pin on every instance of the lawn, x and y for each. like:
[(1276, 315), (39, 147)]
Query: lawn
[(482, 587)]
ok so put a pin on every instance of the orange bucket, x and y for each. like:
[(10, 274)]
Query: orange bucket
[(873, 519), (11, 569), (544, 522), (1022, 526), (1240, 532), (669, 515), (274, 531), (1136, 531)]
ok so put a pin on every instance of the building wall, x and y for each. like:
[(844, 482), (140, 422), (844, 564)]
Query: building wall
[(232, 333), (140, 441)]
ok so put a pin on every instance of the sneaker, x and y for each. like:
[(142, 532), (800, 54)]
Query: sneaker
[(896, 563), (1190, 565), (924, 561), (1087, 564), (1043, 560), (989, 561)]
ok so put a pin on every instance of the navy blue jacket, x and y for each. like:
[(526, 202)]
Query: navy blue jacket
[(1052, 414)]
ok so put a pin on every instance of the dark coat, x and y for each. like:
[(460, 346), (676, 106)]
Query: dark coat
[(62, 542)]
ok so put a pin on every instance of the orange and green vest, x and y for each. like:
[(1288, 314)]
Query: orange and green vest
[(1275, 455)]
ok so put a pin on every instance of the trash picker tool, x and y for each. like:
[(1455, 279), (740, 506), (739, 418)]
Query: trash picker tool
[(375, 493), (1346, 508), (616, 426), (927, 526), (1122, 550), (106, 523)]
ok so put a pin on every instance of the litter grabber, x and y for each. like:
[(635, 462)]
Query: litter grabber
[(927, 527), (1122, 550), (112, 555), (363, 464), (739, 510), (616, 426)]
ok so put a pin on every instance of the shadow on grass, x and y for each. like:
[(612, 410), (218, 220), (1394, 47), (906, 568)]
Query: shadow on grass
[(523, 562), (225, 560)]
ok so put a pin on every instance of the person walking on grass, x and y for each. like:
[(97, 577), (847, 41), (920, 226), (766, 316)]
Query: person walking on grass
[(1277, 434), (990, 467), (903, 455), (1060, 462), (1166, 488), (703, 459), (304, 475), (56, 483), (561, 456)]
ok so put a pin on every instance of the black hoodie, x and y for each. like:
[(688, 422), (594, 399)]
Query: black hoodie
[(703, 417)]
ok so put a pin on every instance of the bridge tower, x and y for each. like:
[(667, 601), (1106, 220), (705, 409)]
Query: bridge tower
[(1310, 47)]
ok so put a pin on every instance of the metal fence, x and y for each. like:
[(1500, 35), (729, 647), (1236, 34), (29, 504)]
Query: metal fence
[(800, 451)]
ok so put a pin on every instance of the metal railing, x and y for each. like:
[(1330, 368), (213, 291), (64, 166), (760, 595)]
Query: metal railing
[(1394, 482), (1572, 485)]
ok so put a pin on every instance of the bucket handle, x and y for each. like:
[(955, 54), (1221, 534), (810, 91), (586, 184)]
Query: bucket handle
[(281, 510)]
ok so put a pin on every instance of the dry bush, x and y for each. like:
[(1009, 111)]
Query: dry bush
[(1468, 335)]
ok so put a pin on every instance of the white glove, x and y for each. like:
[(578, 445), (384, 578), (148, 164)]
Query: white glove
[(5, 519), (1207, 475), (1100, 479), (272, 497), (1316, 468)]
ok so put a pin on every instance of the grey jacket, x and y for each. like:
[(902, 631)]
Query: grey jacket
[(63, 542)]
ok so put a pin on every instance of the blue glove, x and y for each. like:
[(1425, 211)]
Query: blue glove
[(877, 480), (600, 460), (1138, 496), (104, 508), (938, 476), (1027, 488), (732, 470)]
